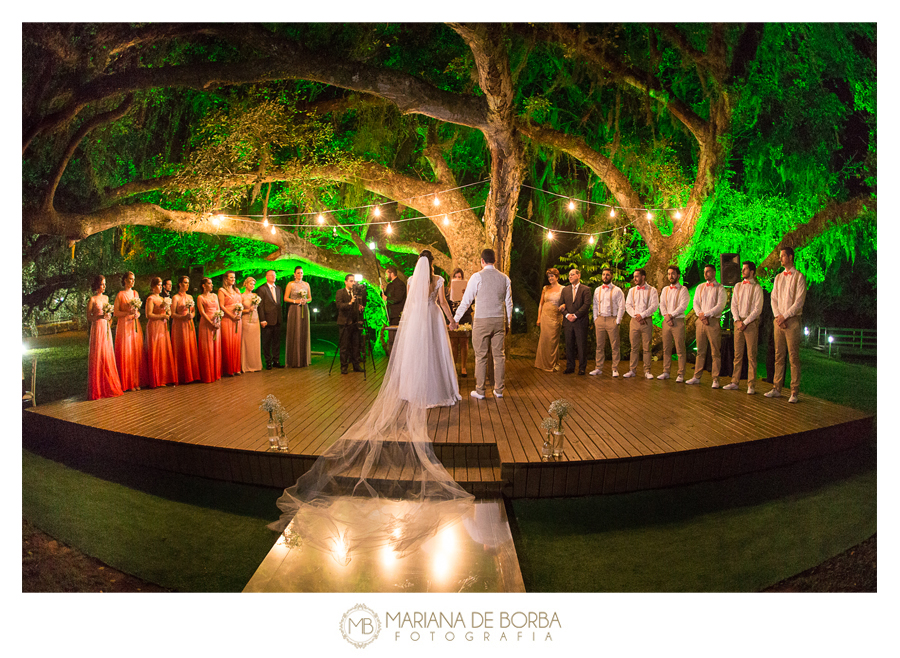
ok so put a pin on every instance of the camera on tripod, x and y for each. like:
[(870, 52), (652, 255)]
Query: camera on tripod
[(359, 291)]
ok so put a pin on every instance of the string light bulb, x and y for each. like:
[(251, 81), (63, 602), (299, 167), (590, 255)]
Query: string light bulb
[(320, 218), (389, 229), (377, 211), (437, 201), (677, 214), (265, 223), (649, 216), (591, 240), (446, 221), (571, 205), (549, 235), (612, 212), (273, 230)]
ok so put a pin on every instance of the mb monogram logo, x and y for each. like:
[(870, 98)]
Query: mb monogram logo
[(360, 626)]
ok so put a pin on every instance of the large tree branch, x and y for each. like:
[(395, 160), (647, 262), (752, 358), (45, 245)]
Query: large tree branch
[(88, 126), (596, 51), (409, 94), (616, 182), (834, 214)]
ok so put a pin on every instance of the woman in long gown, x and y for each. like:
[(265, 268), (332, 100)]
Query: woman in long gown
[(251, 357), (160, 358), (442, 386), (346, 503), (130, 357), (184, 338), (103, 378), (459, 345), (209, 345), (297, 295), (550, 321), (230, 304)]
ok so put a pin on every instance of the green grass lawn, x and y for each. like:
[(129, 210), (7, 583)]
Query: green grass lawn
[(740, 534)]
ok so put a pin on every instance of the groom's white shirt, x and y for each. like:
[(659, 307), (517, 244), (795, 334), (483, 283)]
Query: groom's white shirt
[(489, 306)]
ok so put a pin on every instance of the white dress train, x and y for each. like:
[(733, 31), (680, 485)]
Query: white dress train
[(380, 484)]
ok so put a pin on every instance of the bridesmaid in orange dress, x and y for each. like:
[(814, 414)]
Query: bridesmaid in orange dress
[(160, 358), (231, 305), (209, 345), (184, 340), (103, 378), (130, 358)]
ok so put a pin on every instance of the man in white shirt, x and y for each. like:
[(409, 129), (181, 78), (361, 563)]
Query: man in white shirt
[(746, 306), (641, 304), (673, 302), (709, 302), (493, 292), (788, 297), (609, 307)]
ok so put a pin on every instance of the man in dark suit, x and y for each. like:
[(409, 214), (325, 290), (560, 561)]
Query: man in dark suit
[(349, 314), (575, 304), (394, 295), (270, 320)]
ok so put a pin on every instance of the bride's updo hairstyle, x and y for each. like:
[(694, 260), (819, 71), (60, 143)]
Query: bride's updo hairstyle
[(425, 253)]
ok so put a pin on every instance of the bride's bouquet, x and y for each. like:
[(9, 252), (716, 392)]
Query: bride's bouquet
[(465, 327), (217, 322), (255, 301), (135, 303)]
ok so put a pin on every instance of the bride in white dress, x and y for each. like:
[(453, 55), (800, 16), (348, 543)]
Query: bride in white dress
[(434, 368), (380, 484)]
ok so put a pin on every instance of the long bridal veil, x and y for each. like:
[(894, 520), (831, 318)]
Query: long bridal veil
[(380, 484)]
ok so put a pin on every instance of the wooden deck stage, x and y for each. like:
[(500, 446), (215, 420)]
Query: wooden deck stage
[(622, 435)]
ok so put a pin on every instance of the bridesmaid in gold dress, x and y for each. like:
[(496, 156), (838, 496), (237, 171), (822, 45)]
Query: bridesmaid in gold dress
[(251, 357), (550, 321)]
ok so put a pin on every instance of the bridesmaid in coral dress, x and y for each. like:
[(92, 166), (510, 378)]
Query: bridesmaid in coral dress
[(160, 358), (130, 358), (251, 357), (184, 340), (209, 345), (103, 378), (230, 304)]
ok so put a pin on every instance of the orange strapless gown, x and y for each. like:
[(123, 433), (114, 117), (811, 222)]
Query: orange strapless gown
[(209, 351), (231, 338), (160, 358), (184, 344), (103, 378), (130, 358)]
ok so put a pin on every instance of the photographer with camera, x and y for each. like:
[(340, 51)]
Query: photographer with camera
[(350, 303)]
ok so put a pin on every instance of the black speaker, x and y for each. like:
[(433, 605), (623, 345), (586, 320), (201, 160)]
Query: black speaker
[(730, 267)]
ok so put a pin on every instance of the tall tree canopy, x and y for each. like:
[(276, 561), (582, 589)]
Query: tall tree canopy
[(680, 141)]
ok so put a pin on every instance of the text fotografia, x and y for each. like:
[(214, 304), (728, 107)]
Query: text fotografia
[(479, 626)]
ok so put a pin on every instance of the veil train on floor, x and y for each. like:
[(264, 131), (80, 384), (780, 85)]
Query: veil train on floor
[(380, 484)]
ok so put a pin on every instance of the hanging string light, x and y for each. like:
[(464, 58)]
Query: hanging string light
[(320, 219), (376, 211), (591, 240), (389, 229), (437, 201), (571, 205), (549, 235), (446, 221)]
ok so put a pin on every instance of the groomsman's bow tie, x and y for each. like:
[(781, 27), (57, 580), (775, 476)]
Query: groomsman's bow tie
[(787, 273), (709, 285), (605, 287)]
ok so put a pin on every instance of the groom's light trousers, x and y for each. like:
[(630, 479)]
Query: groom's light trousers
[(489, 333)]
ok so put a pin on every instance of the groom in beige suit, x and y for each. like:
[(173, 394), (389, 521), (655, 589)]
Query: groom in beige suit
[(493, 317)]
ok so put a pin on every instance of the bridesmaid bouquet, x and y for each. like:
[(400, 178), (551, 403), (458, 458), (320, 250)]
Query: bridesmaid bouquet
[(217, 322), (135, 303), (108, 311), (167, 303), (238, 310), (255, 301)]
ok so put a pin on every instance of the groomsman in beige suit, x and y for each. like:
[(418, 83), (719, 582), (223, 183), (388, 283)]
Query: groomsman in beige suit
[(609, 307), (641, 304), (709, 302), (673, 302), (788, 297), (746, 306)]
